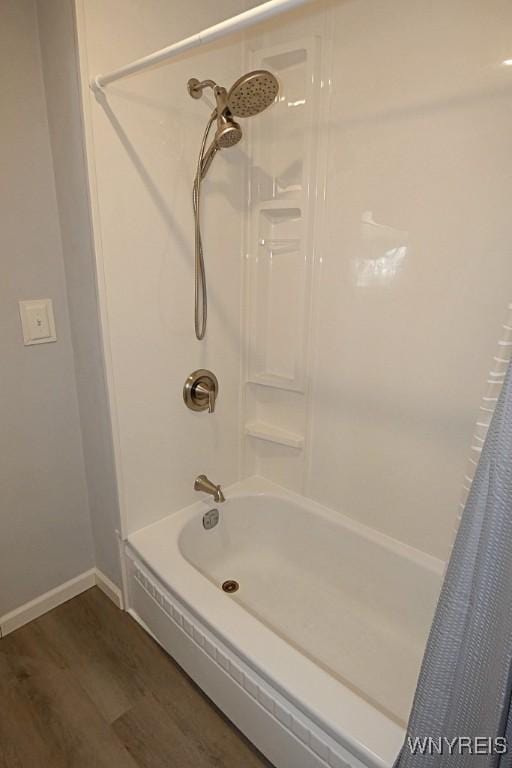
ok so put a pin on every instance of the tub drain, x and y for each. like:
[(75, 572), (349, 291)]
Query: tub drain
[(230, 585)]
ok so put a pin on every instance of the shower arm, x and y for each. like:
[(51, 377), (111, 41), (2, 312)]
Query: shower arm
[(196, 87)]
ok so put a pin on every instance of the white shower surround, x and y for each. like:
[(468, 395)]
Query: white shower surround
[(313, 436), (330, 618)]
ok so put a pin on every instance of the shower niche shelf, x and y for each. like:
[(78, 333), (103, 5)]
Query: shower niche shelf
[(263, 431)]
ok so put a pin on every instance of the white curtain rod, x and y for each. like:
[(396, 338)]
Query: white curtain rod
[(235, 23)]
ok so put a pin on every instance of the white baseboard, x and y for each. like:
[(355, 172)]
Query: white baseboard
[(110, 589), (55, 597)]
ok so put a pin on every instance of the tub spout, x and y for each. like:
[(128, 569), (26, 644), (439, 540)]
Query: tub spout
[(203, 484)]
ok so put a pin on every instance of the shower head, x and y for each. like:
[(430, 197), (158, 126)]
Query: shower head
[(228, 134), (252, 93), (228, 131)]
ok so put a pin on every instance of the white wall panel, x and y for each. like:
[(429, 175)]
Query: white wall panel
[(418, 137), (143, 144)]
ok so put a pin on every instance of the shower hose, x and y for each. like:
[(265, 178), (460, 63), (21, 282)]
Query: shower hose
[(201, 294)]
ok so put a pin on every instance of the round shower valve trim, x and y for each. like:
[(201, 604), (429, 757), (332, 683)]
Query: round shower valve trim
[(200, 391)]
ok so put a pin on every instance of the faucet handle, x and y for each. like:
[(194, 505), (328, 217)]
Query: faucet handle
[(212, 396), (205, 390)]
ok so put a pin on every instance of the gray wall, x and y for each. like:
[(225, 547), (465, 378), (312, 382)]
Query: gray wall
[(60, 71), (45, 532)]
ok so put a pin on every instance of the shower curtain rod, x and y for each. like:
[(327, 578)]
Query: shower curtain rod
[(235, 23)]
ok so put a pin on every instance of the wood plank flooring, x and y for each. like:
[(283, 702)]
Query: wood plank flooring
[(85, 687)]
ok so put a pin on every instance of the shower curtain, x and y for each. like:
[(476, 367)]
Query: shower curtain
[(461, 715)]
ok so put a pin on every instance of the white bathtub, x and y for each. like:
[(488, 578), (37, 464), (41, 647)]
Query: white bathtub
[(316, 656)]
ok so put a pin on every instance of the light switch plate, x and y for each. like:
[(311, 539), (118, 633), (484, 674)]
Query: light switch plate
[(37, 321)]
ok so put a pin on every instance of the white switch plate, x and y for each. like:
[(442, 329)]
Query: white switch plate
[(37, 321)]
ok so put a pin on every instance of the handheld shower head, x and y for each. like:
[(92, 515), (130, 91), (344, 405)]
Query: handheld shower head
[(228, 134), (228, 131), (252, 93)]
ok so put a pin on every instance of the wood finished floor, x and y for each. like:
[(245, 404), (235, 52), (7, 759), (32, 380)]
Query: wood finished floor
[(85, 687)]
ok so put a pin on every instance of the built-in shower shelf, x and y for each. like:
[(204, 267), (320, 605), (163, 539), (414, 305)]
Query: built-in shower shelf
[(263, 431), (267, 242)]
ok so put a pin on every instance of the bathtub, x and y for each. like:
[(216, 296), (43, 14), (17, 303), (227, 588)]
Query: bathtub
[(316, 655)]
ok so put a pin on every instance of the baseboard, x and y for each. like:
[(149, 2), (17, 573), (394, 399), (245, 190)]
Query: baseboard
[(110, 589), (55, 597), (44, 603)]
